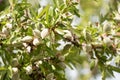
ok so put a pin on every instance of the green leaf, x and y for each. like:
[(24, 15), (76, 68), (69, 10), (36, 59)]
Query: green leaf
[(66, 49), (43, 12), (2, 69), (114, 68), (47, 14), (103, 74), (29, 31), (92, 65)]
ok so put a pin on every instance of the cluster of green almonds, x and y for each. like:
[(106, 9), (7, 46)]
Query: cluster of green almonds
[(35, 39)]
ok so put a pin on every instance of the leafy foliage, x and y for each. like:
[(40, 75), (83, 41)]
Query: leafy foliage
[(38, 41)]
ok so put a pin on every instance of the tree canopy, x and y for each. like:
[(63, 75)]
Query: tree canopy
[(39, 38)]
